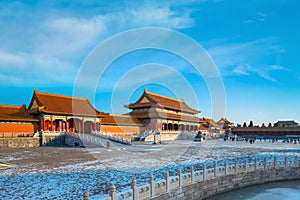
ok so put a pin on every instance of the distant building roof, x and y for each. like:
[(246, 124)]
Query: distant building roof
[(149, 99), (15, 113), (59, 104), (286, 123), (121, 120), (224, 122), (206, 122)]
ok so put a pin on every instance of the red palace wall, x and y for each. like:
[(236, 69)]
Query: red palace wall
[(120, 129), (15, 129)]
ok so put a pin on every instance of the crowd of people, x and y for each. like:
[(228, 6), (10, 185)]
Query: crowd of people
[(252, 139)]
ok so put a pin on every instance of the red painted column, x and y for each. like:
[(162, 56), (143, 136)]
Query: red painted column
[(51, 125), (82, 125), (62, 125), (42, 124), (45, 125), (67, 126)]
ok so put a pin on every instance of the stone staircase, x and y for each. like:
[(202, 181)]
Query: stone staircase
[(94, 140)]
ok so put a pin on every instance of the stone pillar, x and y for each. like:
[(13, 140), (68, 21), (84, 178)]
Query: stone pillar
[(255, 163), (86, 196), (265, 163), (135, 192), (246, 165), (204, 171), (296, 161), (152, 186), (167, 181), (180, 178), (192, 174), (275, 162), (215, 169), (112, 193)]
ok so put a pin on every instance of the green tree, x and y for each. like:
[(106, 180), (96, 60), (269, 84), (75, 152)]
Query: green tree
[(270, 125), (251, 124)]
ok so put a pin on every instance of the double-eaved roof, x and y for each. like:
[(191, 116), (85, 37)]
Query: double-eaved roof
[(15, 113), (62, 105), (149, 99)]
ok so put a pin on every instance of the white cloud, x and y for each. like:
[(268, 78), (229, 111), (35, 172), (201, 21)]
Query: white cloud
[(245, 58), (66, 36), (264, 72), (229, 54), (51, 47), (259, 17), (21, 69), (276, 67), (7, 58), (162, 17), (242, 70)]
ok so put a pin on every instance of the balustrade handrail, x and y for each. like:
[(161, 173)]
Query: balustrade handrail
[(225, 167)]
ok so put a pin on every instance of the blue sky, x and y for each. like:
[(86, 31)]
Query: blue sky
[(254, 44)]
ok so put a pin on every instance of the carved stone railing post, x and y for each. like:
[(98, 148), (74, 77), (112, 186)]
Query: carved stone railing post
[(180, 178), (275, 162), (246, 165), (225, 167), (86, 196), (135, 192), (112, 192), (215, 169), (204, 171), (265, 163), (235, 166), (167, 181), (152, 186), (255, 163), (285, 161), (192, 174), (296, 161)]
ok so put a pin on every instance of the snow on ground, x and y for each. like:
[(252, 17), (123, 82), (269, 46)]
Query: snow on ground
[(65, 173)]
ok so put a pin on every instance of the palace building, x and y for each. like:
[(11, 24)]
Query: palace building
[(120, 124), (163, 113), (64, 113), (16, 121)]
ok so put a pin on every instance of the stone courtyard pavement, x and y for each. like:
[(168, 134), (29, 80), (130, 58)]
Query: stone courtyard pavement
[(65, 172)]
